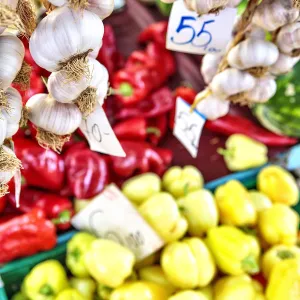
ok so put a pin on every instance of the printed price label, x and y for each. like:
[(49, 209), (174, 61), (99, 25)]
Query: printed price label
[(100, 135), (111, 215), (188, 32), (188, 126)]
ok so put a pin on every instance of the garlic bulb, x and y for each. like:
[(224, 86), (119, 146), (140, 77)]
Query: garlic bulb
[(12, 54), (231, 82), (3, 127), (11, 129), (252, 53), (14, 99), (256, 32), (273, 14), (213, 107), (2, 29), (65, 37), (233, 3), (209, 66), (284, 64), (202, 7), (288, 39), (265, 89)]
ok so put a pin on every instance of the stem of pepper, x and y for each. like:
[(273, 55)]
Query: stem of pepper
[(125, 89), (63, 217), (284, 254), (153, 130), (250, 265), (46, 290), (225, 152)]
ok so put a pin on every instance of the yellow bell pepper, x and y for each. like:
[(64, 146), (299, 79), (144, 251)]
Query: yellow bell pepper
[(109, 263), (70, 294), (188, 264), (279, 225), (234, 204), (200, 210), (140, 290), (162, 213), (189, 295), (238, 287), (260, 201), (284, 281), (207, 291), (180, 181), (279, 185), (275, 255), (19, 296), (155, 274), (234, 251), (243, 153), (85, 286), (139, 188), (104, 292)]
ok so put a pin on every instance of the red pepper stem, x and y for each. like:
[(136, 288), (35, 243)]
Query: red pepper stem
[(125, 89), (153, 130), (63, 217)]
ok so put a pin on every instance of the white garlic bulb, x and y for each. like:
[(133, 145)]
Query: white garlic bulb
[(213, 107), (14, 99), (288, 38), (6, 176), (3, 127), (202, 7), (52, 116), (265, 89), (12, 54), (233, 3), (231, 82), (63, 34), (273, 14), (2, 29), (252, 53), (209, 66), (284, 64), (256, 32), (11, 129)]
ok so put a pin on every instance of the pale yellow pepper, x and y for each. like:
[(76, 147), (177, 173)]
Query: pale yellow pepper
[(155, 274), (200, 210), (70, 294), (162, 213), (189, 295), (188, 264), (207, 291), (275, 255), (235, 205), (260, 201), (279, 225), (279, 185)]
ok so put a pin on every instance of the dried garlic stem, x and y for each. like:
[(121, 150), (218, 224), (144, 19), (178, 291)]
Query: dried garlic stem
[(8, 162), (79, 4), (296, 4), (23, 77), (24, 117), (295, 53), (51, 140), (258, 71), (9, 18), (76, 67), (239, 98), (49, 6), (26, 13), (3, 189), (3, 102), (87, 101)]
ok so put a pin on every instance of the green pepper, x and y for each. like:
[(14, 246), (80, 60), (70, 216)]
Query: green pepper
[(19, 296), (141, 187), (76, 248), (85, 286), (69, 294), (45, 281), (243, 153)]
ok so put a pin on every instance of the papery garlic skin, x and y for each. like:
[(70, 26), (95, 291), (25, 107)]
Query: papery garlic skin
[(265, 89), (59, 118), (11, 129), (288, 38), (2, 29), (252, 53), (202, 7), (64, 33), (6, 176), (12, 53), (209, 66), (284, 64), (213, 107), (231, 82), (233, 3), (273, 14), (3, 128), (14, 100), (58, 2)]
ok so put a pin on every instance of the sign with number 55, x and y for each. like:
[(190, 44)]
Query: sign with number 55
[(188, 32)]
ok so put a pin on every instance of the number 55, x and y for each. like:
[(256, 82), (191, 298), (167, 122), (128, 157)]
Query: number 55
[(183, 26)]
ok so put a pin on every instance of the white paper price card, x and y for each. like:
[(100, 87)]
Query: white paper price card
[(100, 135), (188, 126), (111, 215), (190, 33)]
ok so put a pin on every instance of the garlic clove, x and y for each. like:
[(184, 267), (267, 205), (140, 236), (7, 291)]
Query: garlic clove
[(284, 64), (231, 82), (11, 129), (58, 3), (102, 8), (3, 128), (14, 113), (209, 66), (213, 107), (202, 7)]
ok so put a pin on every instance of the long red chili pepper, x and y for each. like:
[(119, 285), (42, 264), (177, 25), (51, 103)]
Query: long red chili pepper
[(230, 124)]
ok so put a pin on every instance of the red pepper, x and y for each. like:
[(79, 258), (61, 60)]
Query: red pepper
[(160, 102), (186, 93), (7, 216), (231, 124), (41, 168), (109, 55), (156, 32), (134, 129), (260, 278), (3, 201), (87, 172), (57, 209), (140, 158), (165, 154), (161, 123), (26, 235)]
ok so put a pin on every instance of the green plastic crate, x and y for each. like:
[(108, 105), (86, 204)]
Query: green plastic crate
[(13, 273)]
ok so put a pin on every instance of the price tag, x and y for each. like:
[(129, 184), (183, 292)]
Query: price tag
[(188, 126), (290, 159), (190, 33), (111, 215), (100, 135)]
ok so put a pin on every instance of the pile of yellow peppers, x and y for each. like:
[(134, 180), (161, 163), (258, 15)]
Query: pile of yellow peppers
[(234, 244)]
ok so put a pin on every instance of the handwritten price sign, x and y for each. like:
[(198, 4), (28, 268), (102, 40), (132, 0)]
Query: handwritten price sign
[(187, 32), (100, 135)]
